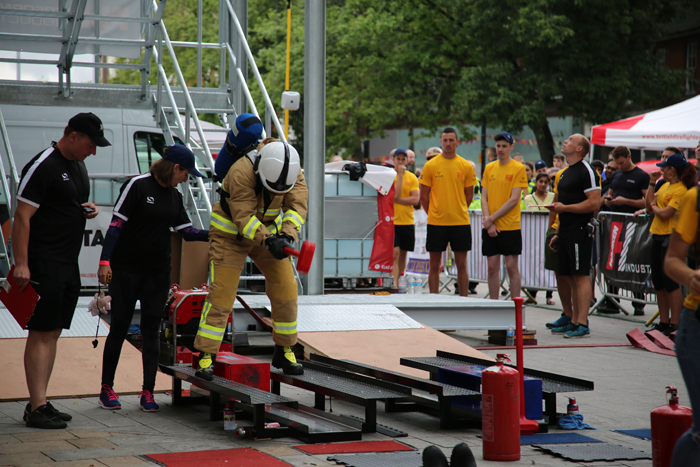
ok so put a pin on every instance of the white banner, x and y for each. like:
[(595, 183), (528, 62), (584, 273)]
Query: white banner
[(93, 238), (418, 260)]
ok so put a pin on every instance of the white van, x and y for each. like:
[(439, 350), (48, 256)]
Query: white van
[(136, 138)]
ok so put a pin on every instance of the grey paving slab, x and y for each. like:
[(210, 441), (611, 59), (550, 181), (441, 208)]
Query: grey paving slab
[(629, 383)]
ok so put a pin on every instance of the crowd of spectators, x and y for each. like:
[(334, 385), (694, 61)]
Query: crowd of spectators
[(573, 190)]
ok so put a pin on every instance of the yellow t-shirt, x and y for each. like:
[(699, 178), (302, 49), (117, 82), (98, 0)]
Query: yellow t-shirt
[(403, 214), (668, 195), (685, 224), (499, 181), (556, 192), (447, 179)]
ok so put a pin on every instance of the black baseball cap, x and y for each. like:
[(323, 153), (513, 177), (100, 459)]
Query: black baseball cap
[(91, 125)]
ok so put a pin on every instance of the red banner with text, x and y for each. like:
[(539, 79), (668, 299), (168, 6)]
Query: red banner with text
[(382, 259)]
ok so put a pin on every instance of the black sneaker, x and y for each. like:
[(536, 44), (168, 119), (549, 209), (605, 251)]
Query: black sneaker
[(66, 417), (42, 417), (661, 327), (284, 358), (434, 457), (206, 366)]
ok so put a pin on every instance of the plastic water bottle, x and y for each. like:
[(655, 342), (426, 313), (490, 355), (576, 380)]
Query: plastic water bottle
[(412, 284), (419, 284), (510, 337), (402, 284)]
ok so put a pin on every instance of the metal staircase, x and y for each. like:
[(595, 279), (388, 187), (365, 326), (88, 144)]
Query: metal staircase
[(175, 107), (171, 104)]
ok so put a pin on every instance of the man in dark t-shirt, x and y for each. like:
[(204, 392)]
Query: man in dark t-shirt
[(628, 185), (628, 189), (47, 233), (578, 197)]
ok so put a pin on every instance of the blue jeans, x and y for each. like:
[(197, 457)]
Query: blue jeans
[(687, 450)]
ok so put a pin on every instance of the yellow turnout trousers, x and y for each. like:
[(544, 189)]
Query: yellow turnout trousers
[(227, 259)]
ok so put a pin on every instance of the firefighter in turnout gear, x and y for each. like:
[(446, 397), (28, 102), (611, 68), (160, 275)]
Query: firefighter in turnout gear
[(262, 208)]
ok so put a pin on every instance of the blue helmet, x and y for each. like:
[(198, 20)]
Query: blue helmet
[(243, 136)]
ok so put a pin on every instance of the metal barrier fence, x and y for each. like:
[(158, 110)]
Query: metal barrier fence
[(621, 247), (533, 225)]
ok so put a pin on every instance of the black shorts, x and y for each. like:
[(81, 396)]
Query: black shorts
[(551, 258), (58, 285), (506, 243), (405, 237), (661, 281), (458, 236), (575, 248)]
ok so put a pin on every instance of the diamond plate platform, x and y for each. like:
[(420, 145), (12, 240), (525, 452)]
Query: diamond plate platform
[(441, 312), (362, 317), (594, 452)]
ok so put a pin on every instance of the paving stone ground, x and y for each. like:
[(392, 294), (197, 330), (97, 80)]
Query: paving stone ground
[(629, 383)]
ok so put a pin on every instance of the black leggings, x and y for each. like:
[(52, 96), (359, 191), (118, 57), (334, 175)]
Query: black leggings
[(125, 288)]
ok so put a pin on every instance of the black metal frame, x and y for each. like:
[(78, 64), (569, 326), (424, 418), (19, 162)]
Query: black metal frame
[(357, 398), (551, 382)]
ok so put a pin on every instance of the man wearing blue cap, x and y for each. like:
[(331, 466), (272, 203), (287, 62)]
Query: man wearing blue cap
[(540, 167), (503, 182), (406, 195)]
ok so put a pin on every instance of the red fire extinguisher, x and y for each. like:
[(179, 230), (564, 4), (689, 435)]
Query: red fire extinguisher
[(500, 411), (668, 423)]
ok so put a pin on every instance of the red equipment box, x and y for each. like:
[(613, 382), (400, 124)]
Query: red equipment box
[(184, 355), (187, 304), (239, 368)]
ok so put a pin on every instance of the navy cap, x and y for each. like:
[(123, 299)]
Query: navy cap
[(674, 160), (400, 151), (504, 137), (540, 165), (91, 125), (182, 155)]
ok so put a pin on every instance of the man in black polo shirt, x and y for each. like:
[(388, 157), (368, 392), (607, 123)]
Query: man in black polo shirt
[(628, 187), (578, 198), (47, 233)]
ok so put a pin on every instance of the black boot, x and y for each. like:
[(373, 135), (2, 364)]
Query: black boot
[(462, 456), (284, 358), (206, 366), (434, 457)]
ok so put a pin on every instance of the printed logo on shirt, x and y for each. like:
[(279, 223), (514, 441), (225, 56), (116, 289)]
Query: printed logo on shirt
[(509, 177), (150, 200), (460, 175), (65, 177), (668, 196)]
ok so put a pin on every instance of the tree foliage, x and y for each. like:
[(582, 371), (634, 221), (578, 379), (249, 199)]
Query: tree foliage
[(426, 63)]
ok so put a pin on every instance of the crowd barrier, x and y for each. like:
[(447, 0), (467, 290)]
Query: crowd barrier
[(533, 225)]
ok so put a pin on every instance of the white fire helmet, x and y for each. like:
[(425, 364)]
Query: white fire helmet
[(278, 166)]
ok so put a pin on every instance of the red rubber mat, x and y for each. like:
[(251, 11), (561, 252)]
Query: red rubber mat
[(638, 339), (243, 457), (360, 446)]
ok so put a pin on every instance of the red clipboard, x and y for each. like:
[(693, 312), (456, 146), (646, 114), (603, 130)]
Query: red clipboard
[(20, 304)]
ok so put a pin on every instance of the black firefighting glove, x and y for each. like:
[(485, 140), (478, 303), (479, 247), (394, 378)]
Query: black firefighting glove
[(276, 243)]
